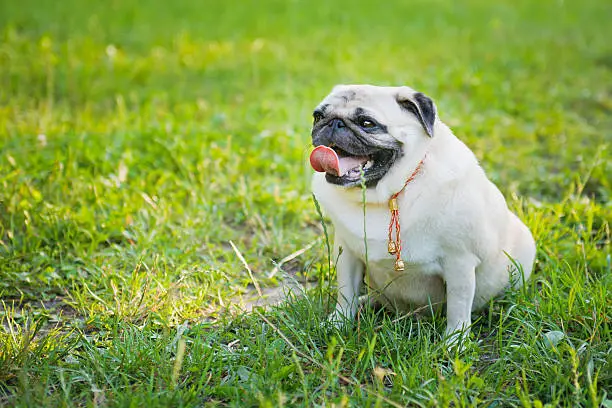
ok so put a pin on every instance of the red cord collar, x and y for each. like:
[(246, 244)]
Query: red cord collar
[(395, 243)]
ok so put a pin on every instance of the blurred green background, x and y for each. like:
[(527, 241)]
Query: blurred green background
[(137, 138)]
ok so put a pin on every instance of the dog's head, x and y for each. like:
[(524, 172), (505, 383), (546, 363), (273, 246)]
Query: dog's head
[(370, 128)]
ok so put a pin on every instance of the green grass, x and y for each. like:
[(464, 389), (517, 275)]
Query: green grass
[(138, 138)]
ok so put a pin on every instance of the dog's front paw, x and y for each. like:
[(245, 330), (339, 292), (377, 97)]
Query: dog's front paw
[(457, 341), (336, 320)]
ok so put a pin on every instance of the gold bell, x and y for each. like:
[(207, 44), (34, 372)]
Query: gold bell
[(393, 204), (399, 265), (391, 247)]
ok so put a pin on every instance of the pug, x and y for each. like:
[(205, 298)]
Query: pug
[(413, 212)]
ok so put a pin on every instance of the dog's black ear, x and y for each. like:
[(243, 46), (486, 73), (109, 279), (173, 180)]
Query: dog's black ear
[(421, 106)]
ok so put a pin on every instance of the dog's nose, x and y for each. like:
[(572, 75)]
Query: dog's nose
[(337, 124)]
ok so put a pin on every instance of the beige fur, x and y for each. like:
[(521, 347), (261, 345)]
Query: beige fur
[(456, 227)]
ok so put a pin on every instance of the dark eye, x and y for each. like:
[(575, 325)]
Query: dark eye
[(367, 123), (317, 116)]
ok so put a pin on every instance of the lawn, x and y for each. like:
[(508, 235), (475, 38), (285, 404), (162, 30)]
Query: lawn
[(154, 178)]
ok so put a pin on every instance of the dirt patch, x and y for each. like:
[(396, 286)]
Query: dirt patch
[(271, 296)]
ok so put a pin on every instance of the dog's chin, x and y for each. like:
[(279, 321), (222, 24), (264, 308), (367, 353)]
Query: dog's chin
[(370, 174)]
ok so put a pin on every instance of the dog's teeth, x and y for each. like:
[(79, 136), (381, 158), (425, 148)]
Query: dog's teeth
[(368, 164)]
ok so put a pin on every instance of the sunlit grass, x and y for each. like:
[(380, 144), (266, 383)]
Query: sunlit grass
[(138, 139)]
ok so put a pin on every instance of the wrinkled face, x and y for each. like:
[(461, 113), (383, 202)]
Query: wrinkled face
[(361, 124)]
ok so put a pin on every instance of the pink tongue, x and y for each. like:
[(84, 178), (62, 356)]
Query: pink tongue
[(325, 159)]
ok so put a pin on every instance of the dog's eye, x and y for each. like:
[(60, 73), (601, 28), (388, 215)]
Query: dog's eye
[(366, 123), (317, 116)]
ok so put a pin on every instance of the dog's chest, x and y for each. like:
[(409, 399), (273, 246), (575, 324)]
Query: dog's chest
[(367, 238), (418, 284), (419, 247)]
